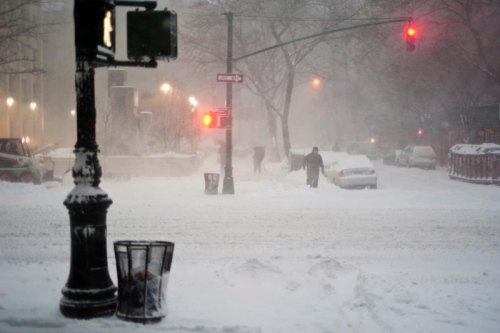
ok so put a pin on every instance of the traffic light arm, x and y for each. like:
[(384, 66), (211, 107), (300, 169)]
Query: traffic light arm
[(149, 5), (403, 19), (115, 63)]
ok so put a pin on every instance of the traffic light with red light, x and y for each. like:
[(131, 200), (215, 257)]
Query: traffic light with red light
[(207, 119), (420, 132), (410, 38), (215, 119)]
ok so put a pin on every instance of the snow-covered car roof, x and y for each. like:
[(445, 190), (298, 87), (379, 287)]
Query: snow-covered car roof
[(330, 157), (485, 148), (352, 162), (423, 151)]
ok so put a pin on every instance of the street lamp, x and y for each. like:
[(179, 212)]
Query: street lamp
[(10, 101), (33, 106), (166, 87), (73, 113), (194, 103), (316, 82)]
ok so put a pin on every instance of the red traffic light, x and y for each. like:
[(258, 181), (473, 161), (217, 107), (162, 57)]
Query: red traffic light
[(420, 132), (214, 119), (410, 38), (207, 119)]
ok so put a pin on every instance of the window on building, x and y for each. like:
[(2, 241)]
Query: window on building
[(13, 84), (24, 91), (36, 91)]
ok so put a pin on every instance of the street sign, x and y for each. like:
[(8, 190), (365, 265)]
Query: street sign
[(234, 78)]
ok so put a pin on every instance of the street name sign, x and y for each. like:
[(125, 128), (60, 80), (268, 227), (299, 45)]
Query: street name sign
[(233, 78)]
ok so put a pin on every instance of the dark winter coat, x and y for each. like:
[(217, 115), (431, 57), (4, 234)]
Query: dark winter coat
[(259, 153), (313, 162)]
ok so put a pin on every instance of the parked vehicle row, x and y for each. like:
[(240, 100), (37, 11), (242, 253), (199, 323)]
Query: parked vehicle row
[(417, 156), (412, 156)]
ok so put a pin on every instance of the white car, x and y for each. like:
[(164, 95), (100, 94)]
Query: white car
[(352, 171)]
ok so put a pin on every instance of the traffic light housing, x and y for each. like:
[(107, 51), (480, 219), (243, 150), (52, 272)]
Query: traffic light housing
[(95, 28), (410, 38), (151, 35), (214, 119)]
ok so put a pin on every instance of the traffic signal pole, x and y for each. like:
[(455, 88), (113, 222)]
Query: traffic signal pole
[(89, 291), (228, 182)]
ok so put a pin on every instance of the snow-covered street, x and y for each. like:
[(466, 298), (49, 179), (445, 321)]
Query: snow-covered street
[(419, 254)]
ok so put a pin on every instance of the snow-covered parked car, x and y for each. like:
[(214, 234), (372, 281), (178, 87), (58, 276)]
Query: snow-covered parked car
[(418, 156), (351, 171), (17, 163)]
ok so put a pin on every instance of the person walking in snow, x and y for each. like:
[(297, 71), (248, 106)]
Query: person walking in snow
[(313, 162), (258, 157)]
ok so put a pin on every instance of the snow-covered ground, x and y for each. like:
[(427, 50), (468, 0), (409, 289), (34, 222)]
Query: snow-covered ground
[(420, 254)]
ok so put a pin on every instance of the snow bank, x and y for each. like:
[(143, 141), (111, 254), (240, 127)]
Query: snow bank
[(485, 148)]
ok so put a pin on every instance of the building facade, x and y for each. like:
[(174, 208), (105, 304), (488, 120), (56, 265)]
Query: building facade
[(21, 85)]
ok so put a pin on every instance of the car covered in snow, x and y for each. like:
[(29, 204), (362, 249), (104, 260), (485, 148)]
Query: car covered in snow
[(17, 163), (351, 171), (418, 156)]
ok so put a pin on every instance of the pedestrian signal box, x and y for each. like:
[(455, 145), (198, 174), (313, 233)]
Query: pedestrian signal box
[(95, 28), (151, 35)]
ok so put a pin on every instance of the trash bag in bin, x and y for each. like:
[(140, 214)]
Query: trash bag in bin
[(212, 183), (143, 271)]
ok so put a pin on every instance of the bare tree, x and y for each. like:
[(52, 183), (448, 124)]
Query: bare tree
[(264, 23), (174, 127), (19, 31)]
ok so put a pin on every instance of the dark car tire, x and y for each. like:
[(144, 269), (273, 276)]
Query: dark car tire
[(5, 177), (27, 178)]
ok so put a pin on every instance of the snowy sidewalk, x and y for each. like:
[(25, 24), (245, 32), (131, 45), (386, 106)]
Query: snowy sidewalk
[(420, 254)]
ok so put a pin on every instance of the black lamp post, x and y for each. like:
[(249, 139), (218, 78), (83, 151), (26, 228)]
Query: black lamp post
[(89, 291)]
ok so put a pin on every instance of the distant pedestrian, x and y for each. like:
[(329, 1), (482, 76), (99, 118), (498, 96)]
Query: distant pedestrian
[(258, 157), (313, 162)]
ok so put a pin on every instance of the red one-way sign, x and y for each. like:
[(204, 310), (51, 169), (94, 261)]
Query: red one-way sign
[(234, 78)]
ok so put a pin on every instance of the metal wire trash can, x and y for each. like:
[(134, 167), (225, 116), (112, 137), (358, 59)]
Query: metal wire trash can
[(143, 271), (212, 183)]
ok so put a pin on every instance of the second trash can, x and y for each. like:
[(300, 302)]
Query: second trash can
[(143, 270), (212, 183)]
